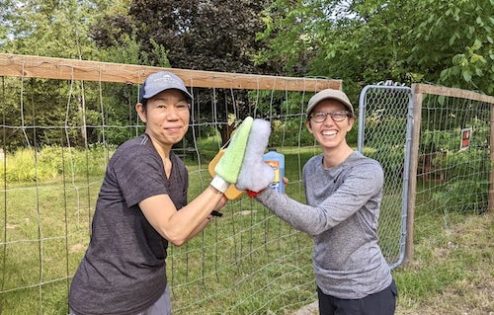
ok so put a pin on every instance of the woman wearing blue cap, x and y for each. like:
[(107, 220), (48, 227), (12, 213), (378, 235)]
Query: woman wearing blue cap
[(123, 270)]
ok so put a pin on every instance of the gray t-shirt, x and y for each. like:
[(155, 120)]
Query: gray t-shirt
[(341, 214), (124, 270)]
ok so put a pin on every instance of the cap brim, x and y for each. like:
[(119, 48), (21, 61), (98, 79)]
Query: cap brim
[(316, 99), (158, 91)]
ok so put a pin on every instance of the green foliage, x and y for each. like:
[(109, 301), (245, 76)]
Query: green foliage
[(292, 132), (458, 36), (469, 195), (218, 35), (385, 133), (355, 41), (463, 174), (66, 29), (51, 28), (391, 159), (6, 8), (364, 42), (467, 180), (50, 163), (206, 35), (289, 31), (448, 139), (127, 51)]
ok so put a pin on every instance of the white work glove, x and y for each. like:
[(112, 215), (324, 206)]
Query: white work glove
[(255, 174)]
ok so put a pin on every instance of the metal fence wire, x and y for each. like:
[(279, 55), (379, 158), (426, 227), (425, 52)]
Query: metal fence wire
[(453, 155), (385, 129)]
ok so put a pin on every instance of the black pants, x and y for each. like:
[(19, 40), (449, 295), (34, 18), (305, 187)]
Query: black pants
[(379, 303)]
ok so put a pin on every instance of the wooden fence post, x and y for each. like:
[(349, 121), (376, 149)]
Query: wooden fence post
[(490, 206)]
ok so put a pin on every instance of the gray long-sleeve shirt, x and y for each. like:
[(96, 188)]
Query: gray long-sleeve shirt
[(341, 214)]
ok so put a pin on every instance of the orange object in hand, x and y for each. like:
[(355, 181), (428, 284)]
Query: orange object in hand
[(232, 193)]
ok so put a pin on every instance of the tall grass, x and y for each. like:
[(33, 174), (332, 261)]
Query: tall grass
[(52, 162)]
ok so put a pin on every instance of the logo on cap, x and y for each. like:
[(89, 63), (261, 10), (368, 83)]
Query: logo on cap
[(165, 77)]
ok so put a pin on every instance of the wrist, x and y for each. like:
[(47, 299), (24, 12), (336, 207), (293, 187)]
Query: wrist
[(219, 184)]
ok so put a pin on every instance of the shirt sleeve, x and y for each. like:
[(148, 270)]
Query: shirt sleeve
[(361, 183), (139, 174)]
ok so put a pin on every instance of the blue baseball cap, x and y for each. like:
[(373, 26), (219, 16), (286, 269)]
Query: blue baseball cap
[(160, 81)]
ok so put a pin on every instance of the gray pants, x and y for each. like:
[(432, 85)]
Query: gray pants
[(161, 307)]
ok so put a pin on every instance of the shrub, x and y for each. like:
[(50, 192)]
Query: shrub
[(50, 162)]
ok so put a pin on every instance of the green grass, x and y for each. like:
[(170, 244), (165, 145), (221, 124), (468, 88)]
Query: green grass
[(247, 262), (46, 232), (451, 271)]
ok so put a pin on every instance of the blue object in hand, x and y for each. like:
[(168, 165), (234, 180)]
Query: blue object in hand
[(277, 161)]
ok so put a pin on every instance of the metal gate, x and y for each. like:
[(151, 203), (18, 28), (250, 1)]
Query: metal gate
[(385, 134)]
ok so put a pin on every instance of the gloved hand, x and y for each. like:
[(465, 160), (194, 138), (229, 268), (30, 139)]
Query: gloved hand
[(255, 174), (232, 193), (228, 168)]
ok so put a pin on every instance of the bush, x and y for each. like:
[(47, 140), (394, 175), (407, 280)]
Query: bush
[(50, 162), (463, 196), (289, 133), (466, 176)]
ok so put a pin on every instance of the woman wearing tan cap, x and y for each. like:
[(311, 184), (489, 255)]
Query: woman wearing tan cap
[(343, 191)]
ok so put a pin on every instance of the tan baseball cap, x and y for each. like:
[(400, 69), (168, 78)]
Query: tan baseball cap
[(329, 94)]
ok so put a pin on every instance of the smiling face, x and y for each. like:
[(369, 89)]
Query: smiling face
[(166, 116), (330, 134)]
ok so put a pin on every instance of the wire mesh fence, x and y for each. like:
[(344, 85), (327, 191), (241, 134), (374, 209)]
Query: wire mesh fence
[(385, 134), (454, 153), (58, 135)]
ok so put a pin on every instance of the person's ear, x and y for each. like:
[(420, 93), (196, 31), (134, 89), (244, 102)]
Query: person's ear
[(308, 125), (351, 121), (141, 111)]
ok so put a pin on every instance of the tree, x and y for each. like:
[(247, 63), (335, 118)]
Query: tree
[(6, 8), (454, 43), (363, 42), (215, 35), (62, 29)]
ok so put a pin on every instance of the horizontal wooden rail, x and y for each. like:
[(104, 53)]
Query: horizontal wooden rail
[(70, 69), (451, 92)]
